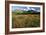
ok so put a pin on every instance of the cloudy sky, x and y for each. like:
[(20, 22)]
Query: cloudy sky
[(26, 8)]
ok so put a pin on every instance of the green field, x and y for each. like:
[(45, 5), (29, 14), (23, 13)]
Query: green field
[(25, 20)]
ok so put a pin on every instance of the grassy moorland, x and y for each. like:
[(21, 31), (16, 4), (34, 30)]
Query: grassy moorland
[(25, 20)]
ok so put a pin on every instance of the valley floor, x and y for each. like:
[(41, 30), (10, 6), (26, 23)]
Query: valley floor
[(25, 21)]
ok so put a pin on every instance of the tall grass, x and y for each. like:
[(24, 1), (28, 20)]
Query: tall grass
[(24, 21)]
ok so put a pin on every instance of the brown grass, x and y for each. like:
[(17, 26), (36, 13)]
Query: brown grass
[(23, 21)]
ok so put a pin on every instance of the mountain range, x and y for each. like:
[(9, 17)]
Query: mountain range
[(32, 11)]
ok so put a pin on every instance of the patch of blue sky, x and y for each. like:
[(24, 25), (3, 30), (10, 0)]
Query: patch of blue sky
[(26, 8)]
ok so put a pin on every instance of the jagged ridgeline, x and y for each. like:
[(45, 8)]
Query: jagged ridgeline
[(25, 12)]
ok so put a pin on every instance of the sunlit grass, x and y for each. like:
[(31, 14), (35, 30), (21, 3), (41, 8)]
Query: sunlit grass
[(23, 21)]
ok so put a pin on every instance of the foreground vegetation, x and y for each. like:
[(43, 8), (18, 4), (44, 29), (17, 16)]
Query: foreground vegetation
[(26, 20)]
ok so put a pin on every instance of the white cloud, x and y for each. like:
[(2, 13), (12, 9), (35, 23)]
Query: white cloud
[(33, 9)]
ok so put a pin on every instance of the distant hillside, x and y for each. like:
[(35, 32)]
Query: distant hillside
[(25, 12), (33, 12)]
